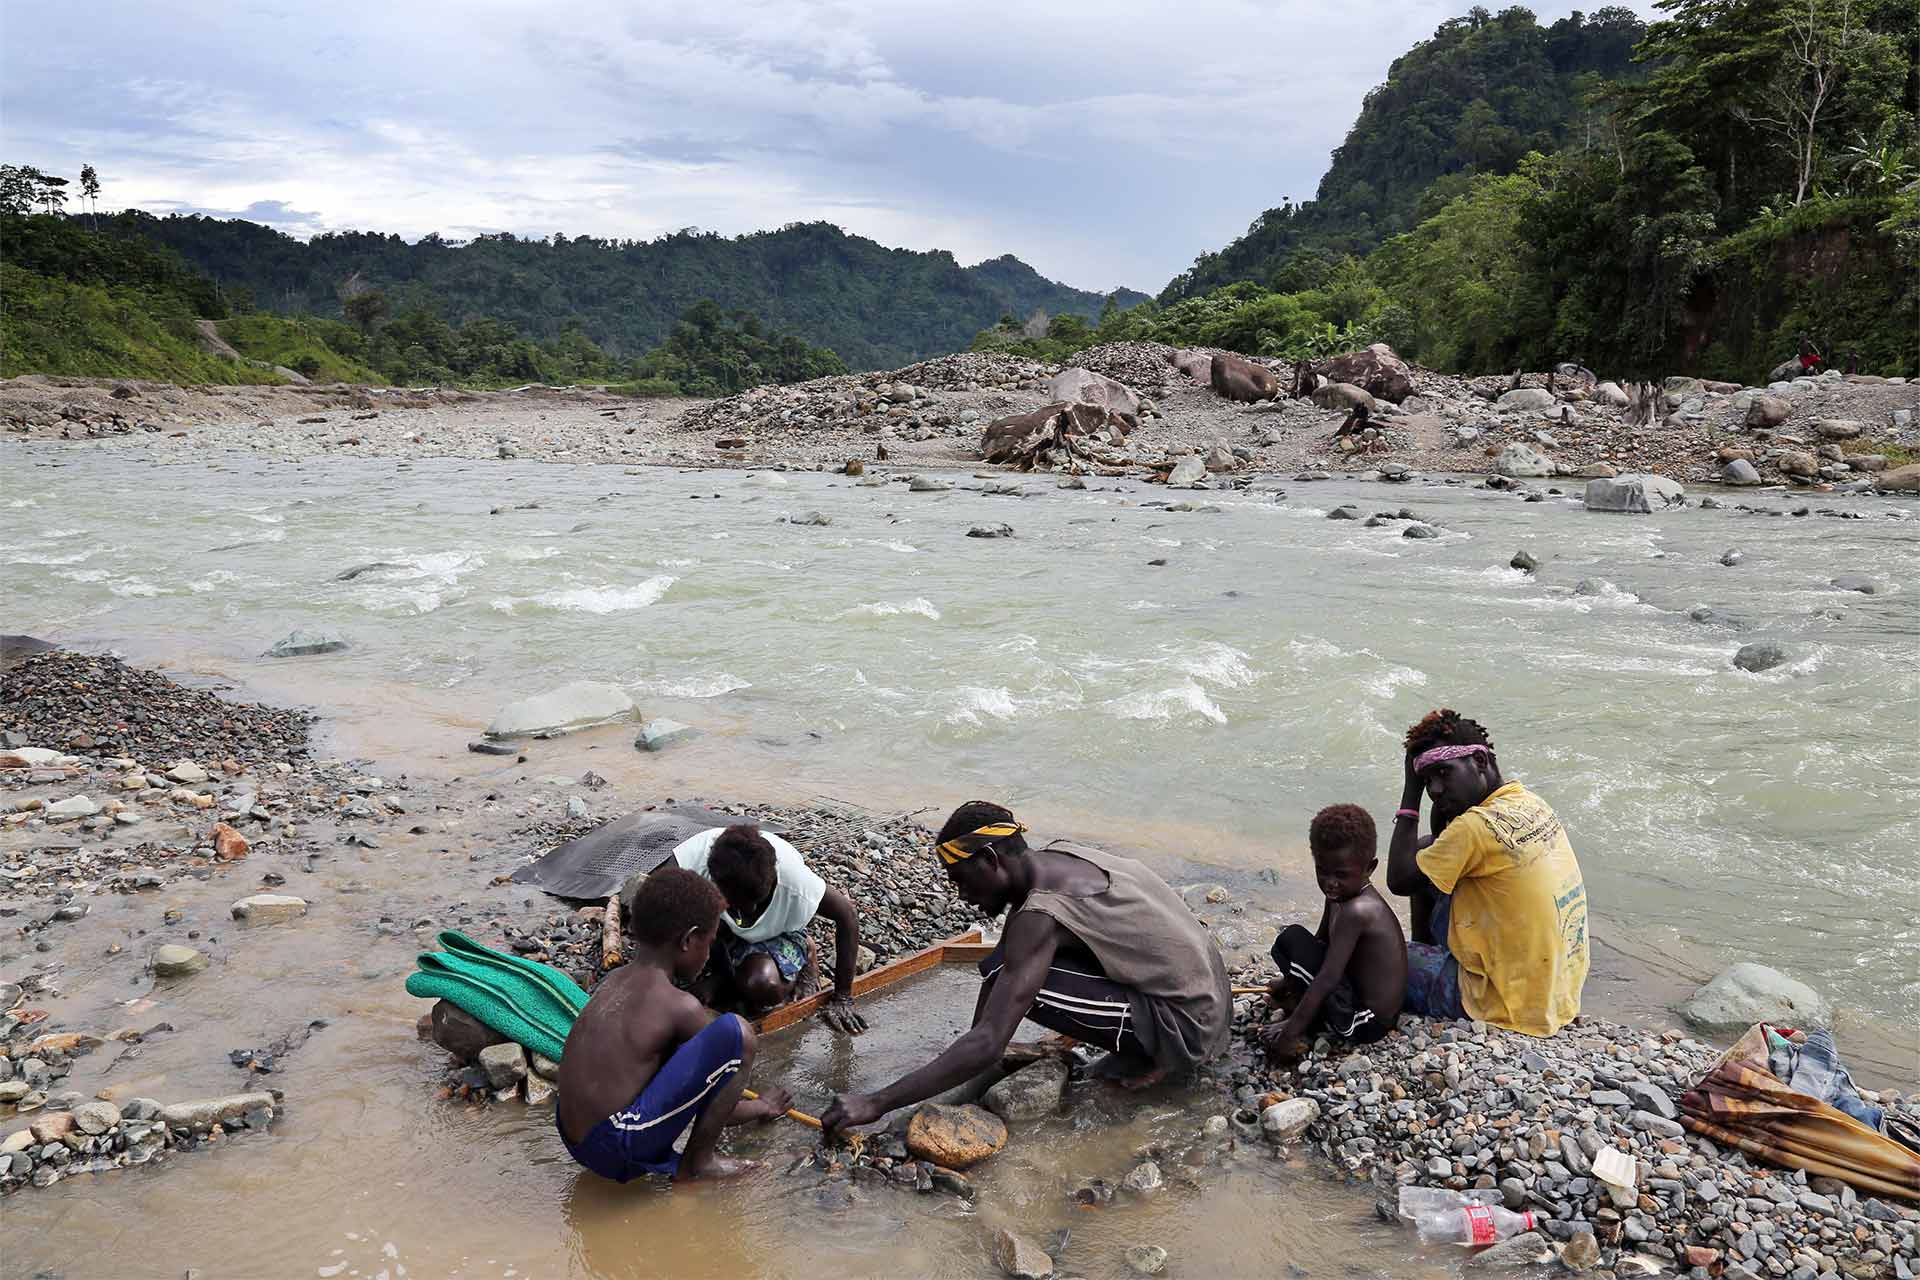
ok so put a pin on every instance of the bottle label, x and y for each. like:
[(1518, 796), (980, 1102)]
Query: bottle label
[(1480, 1224)]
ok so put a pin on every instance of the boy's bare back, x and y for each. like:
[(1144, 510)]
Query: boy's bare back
[(1378, 968), (634, 1022)]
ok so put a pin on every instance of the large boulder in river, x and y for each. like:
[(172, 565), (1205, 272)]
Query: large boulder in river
[(955, 1137), (1746, 993), (1528, 399), (1637, 494), (1523, 461), (578, 705), (1899, 479), (1084, 386), (1238, 378), (1739, 471), (1052, 434), (1761, 655), (1376, 370), (300, 643), (1343, 397)]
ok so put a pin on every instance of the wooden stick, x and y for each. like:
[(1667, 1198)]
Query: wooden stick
[(1249, 991), (810, 1121), (610, 937)]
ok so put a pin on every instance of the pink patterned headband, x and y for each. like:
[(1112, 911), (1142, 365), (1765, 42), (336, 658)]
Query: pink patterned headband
[(1452, 751)]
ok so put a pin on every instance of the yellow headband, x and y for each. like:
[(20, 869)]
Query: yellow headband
[(950, 851)]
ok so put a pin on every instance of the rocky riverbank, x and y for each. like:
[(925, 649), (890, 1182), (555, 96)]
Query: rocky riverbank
[(1821, 433)]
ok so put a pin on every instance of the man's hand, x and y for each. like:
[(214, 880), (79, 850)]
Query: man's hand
[(852, 1109), (773, 1104), (1283, 1043), (1410, 782), (842, 1016)]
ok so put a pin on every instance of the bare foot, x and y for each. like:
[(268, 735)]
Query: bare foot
[(713, 1168), (1146, 1080), (1127, 1071)]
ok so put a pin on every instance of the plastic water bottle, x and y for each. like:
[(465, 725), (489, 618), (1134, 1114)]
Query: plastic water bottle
[(1474, 1225), (1421, 1202)]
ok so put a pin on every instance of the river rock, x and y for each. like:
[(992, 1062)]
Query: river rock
[(1526, 399), (1033, 1091), (1523, 461), (1746, 993), (1899, 479), (1188, 473), (95, 1117), (927, 484), (186, 772), (204, 1113), (1343, 397), (1147, 1259), (1377, 370), (1798, 463), (577, 705), (1287, 1120), (1020, 1257), (1855, 582), (1084, 386), (991, 531), (505, 1064), (228, 844), (1839, 428), (176, 961), (1611, 395), (70, 808), (1523, 561), (1764, 413), (1144, 1179), (1761, 655), (660, 733), (1523, 1250), (268, 908), (1639, 493), (1739, 471), (460, 1033), (302, 644), (1582, 1252), (955, 1137)]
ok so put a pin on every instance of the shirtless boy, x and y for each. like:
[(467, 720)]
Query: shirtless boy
[(645, 1059), (1348, 978)]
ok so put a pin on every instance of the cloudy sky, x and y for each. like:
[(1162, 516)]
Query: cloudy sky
[(1105, 143)]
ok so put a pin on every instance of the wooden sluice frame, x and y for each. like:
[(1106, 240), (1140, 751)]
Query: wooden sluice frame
[(967, 948)]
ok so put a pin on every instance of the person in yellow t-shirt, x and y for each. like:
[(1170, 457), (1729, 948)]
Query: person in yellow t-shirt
[(1508, 906)]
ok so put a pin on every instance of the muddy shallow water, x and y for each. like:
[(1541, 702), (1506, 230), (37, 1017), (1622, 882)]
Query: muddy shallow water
[(1194, 713)]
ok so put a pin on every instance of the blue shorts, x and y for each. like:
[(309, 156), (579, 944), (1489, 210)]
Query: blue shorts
[(788, 951), (1433, 974), (639, 1140)]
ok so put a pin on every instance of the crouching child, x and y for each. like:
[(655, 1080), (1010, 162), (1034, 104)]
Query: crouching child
[(646, 1062), (1348, 977)]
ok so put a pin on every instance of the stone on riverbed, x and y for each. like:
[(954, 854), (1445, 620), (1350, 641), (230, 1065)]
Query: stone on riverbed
[(661, 733), (1029, 1093), (1746, 993), (1188, 473), (1019, 1257), (460, 1033), (267, 908), (1761, 655), (1522, 461), (176, 961), (1637, 494), (1289, 1119), (1147, 1259), (955, 1137), (578, 705), (207, 1112), (1523, 1250), (505, 1064), (301, 643)]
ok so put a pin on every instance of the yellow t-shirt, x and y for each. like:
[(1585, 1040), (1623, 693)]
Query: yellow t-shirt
[(1519, 924)]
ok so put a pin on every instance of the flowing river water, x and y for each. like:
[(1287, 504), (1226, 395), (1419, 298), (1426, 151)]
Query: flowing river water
[(1188, 685)]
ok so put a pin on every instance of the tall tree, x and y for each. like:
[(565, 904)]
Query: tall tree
[(90, 192)]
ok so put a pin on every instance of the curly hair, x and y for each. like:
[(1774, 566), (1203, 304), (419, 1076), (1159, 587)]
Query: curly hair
[(741, 862), (973, 815), (671, 901), (1343, 826), (1446, 727)]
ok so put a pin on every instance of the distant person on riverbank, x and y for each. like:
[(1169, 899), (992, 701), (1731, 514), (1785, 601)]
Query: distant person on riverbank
[(1096, 947), (1809, 355), (1348, 977), (1508, 913), (765, 957), (645, 1060)]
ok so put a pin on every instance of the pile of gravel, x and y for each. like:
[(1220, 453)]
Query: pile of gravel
[(1141, 365), (101, 706), (1464, 1105)]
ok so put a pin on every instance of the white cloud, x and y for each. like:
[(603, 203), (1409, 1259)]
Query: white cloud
[(1103, 144)]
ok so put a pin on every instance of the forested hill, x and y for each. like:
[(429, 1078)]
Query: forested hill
[(877, 307), (1474, 99)]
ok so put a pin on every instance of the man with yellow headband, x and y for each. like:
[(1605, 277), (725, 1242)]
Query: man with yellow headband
[(1096, 947)]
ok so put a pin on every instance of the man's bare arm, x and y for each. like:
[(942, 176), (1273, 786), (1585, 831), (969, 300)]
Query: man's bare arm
[(1344, 935), (1404, 876)]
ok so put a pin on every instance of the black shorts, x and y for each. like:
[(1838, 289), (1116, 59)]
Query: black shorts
[(1300, 954), (1079, 1000)]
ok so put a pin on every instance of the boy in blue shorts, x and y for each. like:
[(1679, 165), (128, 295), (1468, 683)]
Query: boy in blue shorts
[(645, 1060)]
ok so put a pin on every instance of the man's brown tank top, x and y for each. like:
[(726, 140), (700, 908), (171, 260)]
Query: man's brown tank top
[(1146, 939)]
